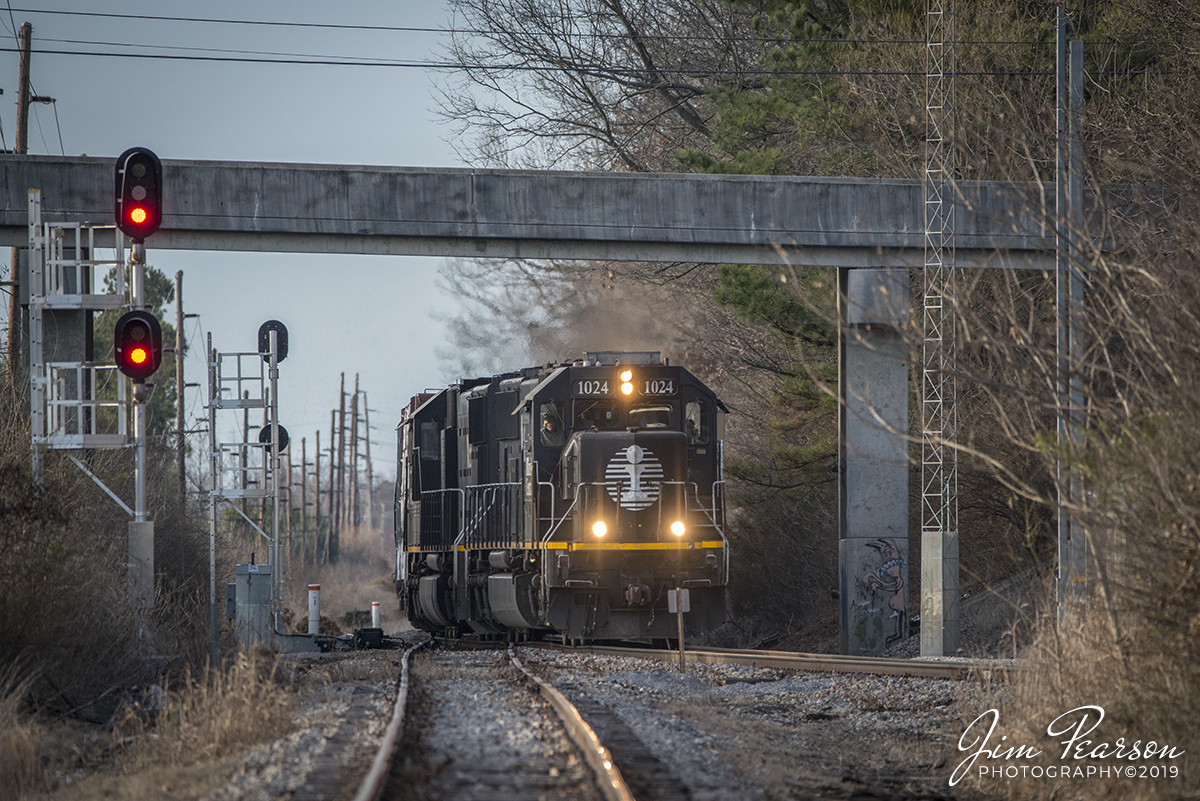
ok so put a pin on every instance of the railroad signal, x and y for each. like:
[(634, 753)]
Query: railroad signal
[(281, 340), (264, 438), (138, 193), (137, 341)]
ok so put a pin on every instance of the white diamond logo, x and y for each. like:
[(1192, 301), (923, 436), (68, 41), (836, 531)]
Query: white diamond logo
[(633, 476)]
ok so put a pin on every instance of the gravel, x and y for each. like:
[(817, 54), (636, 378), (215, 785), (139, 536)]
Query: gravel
[(726, 731), (476, 731), (732, 731), (333, 684)]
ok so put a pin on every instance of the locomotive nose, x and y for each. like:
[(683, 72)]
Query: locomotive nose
[(633, 481)]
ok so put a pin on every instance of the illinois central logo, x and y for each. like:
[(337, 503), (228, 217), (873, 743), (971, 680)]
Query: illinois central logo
[(633, 475)]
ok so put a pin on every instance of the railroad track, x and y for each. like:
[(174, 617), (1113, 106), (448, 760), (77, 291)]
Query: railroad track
[(957, 668), (834, 663), (519, 737), (503, 733)]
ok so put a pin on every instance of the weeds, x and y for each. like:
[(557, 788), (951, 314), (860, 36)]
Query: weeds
[(207, 717), (21, 739)]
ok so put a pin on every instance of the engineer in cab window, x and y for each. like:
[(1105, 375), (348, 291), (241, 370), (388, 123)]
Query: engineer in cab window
[(552, 427)]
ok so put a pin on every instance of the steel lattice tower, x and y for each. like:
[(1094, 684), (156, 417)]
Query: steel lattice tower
[(939, 416)]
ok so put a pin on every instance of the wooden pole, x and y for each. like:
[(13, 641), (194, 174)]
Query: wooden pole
[(20, 148), (245, 465), (317, 549), (180, 440), (341, 457), (370, 472), (355, 515), (331, 535), (262, 504), (303, 502), (288, 510)]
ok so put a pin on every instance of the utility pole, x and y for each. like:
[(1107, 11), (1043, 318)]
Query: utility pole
[(355, 515), (262, 504), (317, 500), (331, 535), (370, 473), (303, 501), (20, 148), (180, 443), (288, 511), (341, 457), (245, 465)]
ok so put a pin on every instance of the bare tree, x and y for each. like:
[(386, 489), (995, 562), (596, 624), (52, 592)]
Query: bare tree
[(602, 84)]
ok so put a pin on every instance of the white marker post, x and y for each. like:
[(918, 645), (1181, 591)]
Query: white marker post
[(375, 615), (678, 602), (314, 608)]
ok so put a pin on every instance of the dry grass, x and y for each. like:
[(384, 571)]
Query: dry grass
[(362, 575), (353, 668), (209, 717), (1146, 696), (21, 739)]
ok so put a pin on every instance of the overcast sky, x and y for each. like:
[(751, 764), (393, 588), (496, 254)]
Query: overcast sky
[(195, 109)]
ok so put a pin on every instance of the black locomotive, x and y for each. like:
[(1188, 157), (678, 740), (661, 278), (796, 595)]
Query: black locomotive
[(568, 499)]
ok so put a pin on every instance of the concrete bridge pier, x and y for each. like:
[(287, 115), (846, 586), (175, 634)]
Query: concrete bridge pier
[(873, 464)]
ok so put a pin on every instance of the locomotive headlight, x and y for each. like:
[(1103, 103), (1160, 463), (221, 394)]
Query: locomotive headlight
[(627, 388), (626, 382), (599, 529), (626, 375), (677, 528)]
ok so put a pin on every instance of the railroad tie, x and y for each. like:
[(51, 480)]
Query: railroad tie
[(330, 776)]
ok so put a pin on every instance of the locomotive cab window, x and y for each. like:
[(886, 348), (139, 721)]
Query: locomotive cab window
[(551, 425), (655, 416), (430, 449), (697, 422), (601, 414)]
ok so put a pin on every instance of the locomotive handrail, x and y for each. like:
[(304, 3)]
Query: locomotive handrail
[(554, 528), (479, 513), (686, 507), (491, 491), (699, 505), (583, 485), (553, 499), (721, 526), (443, 491)]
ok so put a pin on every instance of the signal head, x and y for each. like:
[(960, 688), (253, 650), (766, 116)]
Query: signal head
[(138, 194), (137, 343)]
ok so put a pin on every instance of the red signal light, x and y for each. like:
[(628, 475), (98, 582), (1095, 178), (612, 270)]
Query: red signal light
[(138, 193), (137, 343)]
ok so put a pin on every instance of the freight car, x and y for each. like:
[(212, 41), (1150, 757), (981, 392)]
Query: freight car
[(566, 500)]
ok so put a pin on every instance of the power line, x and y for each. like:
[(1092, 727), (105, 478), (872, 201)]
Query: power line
[(210, 50), (447, 65), (306, 57), (272, 23), (493, 32)]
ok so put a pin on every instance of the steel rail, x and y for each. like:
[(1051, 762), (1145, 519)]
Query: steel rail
[(608, 776), (372, 783), (959, 668), (788, 660)]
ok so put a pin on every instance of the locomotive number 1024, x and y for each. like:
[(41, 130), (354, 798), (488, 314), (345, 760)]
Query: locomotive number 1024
[(658, 386)]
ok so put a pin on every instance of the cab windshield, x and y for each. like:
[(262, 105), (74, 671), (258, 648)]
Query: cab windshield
[(601, 414), (657, 416)]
